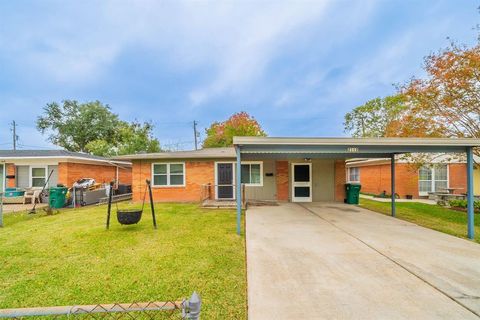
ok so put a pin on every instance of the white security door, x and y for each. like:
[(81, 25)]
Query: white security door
[(301, 182)]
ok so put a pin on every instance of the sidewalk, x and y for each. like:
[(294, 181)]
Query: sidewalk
[(425, 201), (9, 208)]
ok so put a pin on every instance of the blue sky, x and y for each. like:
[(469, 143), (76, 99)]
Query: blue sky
[(298, 67)]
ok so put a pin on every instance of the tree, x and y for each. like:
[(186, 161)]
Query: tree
[(220, 134), (131, 138), (135, 137), (73, 125), (447, 102), (374, 117), (92, 127)]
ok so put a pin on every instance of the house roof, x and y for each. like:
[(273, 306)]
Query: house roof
[(326, 141), (286, 147), (207, 153), (309, 147), (11, 155), (431, 159)]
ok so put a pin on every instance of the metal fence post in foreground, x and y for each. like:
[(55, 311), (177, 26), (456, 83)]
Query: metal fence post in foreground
[(191, 307), (1, 209)]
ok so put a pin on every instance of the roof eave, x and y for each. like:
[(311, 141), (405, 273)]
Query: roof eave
[(452, 142)]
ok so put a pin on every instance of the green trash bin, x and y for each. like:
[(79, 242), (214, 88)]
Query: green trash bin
[(352, 192), (57, 197)]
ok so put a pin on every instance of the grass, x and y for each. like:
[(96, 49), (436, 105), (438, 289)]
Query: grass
[(70, 259), (431, 216)]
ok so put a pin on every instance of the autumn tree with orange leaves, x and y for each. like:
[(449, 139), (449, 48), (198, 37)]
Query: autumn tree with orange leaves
[(220, 134), (447, 102)]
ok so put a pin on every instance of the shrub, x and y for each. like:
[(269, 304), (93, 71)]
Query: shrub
[(459, 203)]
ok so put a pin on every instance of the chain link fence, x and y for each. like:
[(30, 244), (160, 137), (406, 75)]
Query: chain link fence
[(186, 309)]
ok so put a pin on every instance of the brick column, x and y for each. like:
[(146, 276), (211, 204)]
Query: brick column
[(10, 171), (282, 180), (340, 180)]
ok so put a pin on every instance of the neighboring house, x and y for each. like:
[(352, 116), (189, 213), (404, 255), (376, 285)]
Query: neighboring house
[(183, 176), (442, 173), (32, 167)]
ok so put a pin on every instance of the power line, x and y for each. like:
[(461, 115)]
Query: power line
[(39, 147)]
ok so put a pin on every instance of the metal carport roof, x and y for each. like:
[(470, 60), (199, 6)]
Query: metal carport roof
[(343, 148)]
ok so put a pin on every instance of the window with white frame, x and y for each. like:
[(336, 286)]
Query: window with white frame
[(38, 176), (432, 179), (354, 174), (252, 173), (168, 174)]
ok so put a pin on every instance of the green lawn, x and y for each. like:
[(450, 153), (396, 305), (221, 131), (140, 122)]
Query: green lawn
[(430, 216), (69, 258)]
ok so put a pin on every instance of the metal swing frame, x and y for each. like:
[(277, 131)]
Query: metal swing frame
[(149, 187)]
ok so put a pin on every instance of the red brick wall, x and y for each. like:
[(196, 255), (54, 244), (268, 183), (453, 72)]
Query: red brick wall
[(458, 176), (340, 180), (125, 175), (281, 168), (10, 170), (376, 179), (69, 172), (196, 173)]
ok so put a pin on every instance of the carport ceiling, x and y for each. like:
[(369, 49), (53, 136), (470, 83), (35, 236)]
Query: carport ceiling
[(338, 148)]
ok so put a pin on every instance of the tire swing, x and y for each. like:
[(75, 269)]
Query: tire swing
[(131, 216)]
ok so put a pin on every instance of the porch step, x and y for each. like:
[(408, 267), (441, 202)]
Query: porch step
[(219, 204)]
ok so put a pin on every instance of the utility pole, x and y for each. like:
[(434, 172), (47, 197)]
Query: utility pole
[(15, 137), (195, 134)]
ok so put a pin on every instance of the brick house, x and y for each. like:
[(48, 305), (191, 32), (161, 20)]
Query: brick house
[(32, 167), (184, 175), (292, 169), (442, 173)]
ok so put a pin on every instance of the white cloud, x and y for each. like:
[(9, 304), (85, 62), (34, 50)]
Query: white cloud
[(255, 44), (77, 42), (308, 59)]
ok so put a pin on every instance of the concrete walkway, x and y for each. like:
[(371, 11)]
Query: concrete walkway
[(425, 201), (333, 261), (10, 208)]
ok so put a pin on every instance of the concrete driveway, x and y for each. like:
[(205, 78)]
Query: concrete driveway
[(333, 261)]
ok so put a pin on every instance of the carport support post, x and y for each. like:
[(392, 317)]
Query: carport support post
[(392, 180), (470, 198), (238, 189)]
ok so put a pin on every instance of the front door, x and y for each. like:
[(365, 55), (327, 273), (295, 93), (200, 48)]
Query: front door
[(302, 182), (224, 180)]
